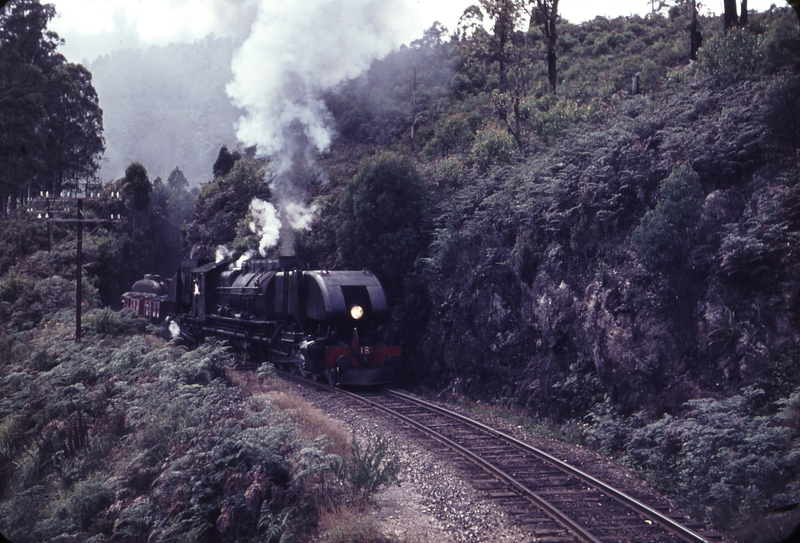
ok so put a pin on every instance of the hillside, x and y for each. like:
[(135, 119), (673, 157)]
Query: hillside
[(632, 278), (619, 268)]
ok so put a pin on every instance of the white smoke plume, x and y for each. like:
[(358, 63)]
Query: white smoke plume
[(174, 329), (222, 253), (298, 215), (294, 54), (244, 258), (265, 224)]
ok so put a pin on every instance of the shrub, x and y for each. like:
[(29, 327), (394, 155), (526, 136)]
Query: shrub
[(13, 287), (734, 456), (736, 56), (662, 234), (454, 134), (448, 171), (782, 44), (103, 321), (550, 116), (650, 78), (782, 115), (370, 466), (493, 146)]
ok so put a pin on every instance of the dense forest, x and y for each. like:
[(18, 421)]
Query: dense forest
[(595, 226)]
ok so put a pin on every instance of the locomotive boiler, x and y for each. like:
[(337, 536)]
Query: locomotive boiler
[(326, 324)]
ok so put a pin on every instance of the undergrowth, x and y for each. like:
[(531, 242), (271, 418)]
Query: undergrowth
[(130, 438)]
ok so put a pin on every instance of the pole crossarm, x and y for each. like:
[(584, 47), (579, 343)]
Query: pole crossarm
[(80, 221), (78, 198)]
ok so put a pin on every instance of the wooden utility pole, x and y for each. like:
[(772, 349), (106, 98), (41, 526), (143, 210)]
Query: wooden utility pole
[(67, 197)]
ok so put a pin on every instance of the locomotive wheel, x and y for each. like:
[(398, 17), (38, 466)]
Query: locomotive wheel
[(331, 375)]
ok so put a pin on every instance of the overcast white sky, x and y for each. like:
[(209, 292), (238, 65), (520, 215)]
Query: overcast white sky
[(92, 28)]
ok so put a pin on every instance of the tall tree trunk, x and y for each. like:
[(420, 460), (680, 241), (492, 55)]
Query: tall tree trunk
[(695, 38), (413, 107), (743, 16), (503, 74), (551, 49), (730, 18), (549, 14)]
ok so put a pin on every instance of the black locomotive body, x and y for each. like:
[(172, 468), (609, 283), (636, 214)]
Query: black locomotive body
[(319, 322)]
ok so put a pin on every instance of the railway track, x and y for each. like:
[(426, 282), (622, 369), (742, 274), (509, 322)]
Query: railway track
[(555, 502)]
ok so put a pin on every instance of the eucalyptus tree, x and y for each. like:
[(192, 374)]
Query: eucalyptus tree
[(73, 126), (500, 59), (385, 212), (544, 14), (51, 126)]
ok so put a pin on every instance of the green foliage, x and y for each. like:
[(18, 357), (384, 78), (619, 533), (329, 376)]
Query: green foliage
[(734, 456), (493, 146), (74, 135), (222, 204), (754, 250), (604, 428), (736, 56), (51, 128), (449, 171), (13, 288), (370, 466), (225, 161), (454, 134), (144, 440), (136, 186), (106, 321), (663, 232), (576, 392), (650, 76), (783, 113), (550, 116), (26, 300), (385, 211), (405, 88), (19, 238), (781, 44), (452, 254)]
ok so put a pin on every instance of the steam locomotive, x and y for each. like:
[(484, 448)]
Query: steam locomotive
[(325, 324)]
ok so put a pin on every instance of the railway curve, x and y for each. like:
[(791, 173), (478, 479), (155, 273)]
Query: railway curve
[(553, 500)]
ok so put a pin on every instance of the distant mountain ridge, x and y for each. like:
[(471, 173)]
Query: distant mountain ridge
[(166, 107)]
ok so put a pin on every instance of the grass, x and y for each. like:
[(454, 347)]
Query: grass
[(311, 421)]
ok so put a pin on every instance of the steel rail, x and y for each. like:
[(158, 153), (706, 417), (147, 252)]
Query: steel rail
[(675, 527), (551, 510)]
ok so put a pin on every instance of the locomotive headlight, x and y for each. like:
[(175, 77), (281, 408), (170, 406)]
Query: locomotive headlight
[(356, 312)]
